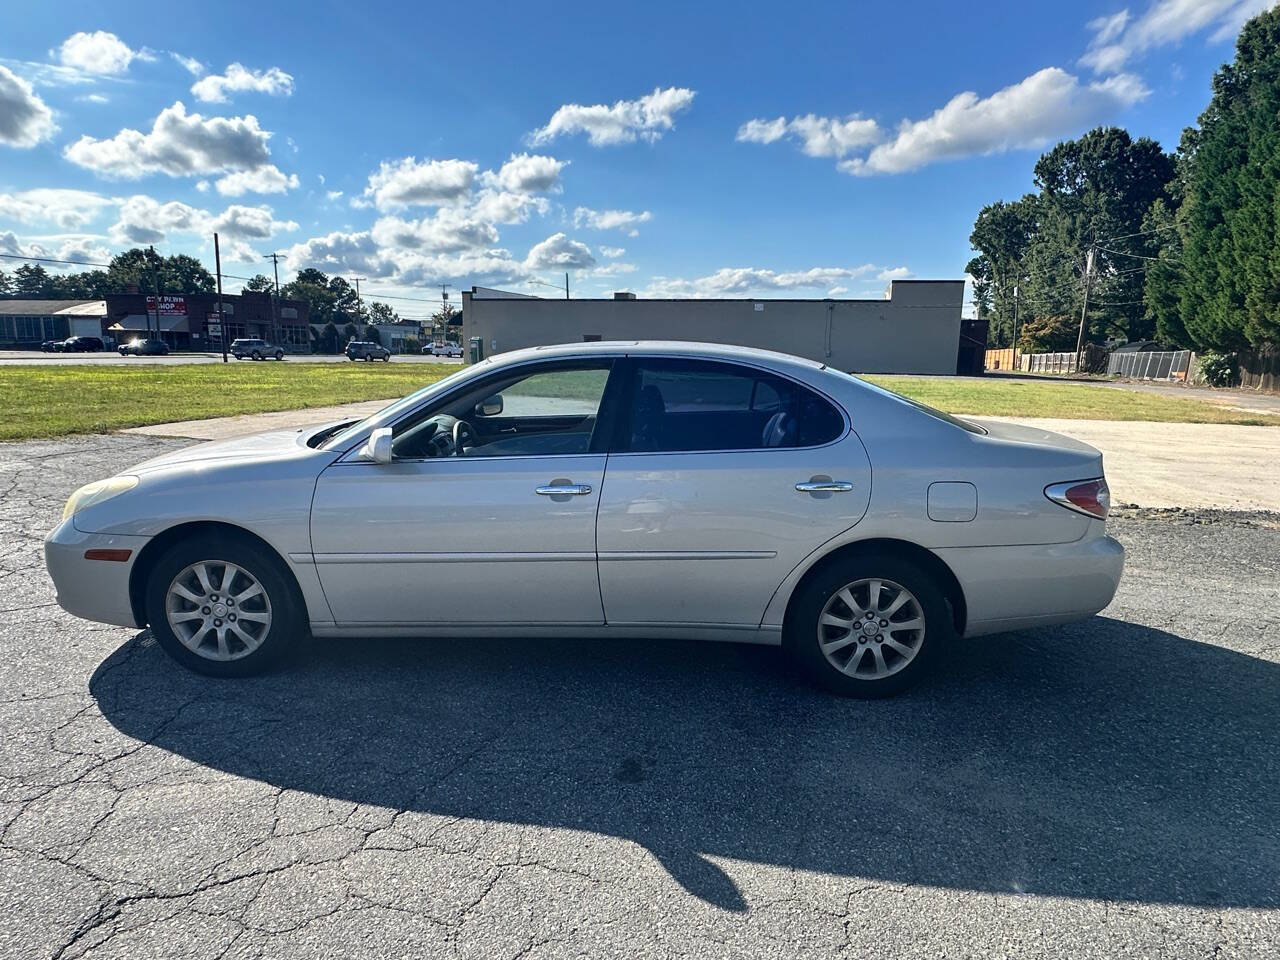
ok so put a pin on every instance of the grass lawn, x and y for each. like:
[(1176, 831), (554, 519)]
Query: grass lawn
[(49, 401), (1072, 401)]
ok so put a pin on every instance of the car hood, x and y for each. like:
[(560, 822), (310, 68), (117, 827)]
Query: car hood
[(261, 447)]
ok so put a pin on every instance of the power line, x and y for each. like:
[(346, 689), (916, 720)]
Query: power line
[(78, 263)]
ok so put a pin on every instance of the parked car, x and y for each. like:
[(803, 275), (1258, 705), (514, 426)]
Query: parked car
[(253, 348), (142, 347), (367, 350), (630, 489), (82, 345), (443, 350), (52, 346)]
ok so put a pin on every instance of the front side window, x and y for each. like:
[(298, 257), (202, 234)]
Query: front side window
[(698, 405), (547, 411)]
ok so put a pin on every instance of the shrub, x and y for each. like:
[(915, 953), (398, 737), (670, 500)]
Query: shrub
[(1218, 369)]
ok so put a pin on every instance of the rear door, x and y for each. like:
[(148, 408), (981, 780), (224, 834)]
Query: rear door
[(701, 518)]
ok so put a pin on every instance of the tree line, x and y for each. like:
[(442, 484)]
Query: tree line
[(1183, 248), (333, 303)]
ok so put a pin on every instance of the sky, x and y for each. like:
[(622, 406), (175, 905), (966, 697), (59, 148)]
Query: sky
[(708, 149)]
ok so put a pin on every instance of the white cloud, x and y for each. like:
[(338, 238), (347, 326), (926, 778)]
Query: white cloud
[(1120, 37), (264, 179), (94, 98), (612, 252), (333, 194), (179, 144), (99, 52), (609, 219), (190, 64), (68, 209), (25, 119), (528, 173), (447, 231), (560, 253), (1046, 105), (146, 220), (239, 79), (745, 281), (893, 273), (338, 252), (647, 118), (501, 206), (818, 136), (409, 182)]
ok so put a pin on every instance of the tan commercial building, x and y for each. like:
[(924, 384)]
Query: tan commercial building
[(915, 328)]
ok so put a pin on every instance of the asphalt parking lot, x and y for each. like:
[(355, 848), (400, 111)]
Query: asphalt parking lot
[(1108, 788)]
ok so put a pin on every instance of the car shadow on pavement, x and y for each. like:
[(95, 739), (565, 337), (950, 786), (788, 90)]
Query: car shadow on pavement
[(1103, 760)]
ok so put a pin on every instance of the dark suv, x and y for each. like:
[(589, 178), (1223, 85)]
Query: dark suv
[(366, 350), (255, 349), (140, 347), (81, 345)]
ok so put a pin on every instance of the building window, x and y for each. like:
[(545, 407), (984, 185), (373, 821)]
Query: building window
[(288, 313)]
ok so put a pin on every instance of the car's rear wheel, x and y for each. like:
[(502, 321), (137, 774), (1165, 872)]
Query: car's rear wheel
[(279, 354), (868, 627), (222, 606), (386, 357)]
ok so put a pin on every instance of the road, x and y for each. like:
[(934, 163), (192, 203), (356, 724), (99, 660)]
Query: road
[(111, 357), (1102, 789)]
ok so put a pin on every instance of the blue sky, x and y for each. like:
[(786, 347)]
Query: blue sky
[(684, 149)]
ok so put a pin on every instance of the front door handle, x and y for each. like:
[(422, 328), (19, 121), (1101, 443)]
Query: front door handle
[(824, 486), (563, 489)]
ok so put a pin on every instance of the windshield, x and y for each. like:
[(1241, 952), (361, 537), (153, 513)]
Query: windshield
[(395, 408), (922, 407)]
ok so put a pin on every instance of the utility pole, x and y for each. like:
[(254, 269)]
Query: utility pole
[(222, 328), (275, 259), (155, 287), (1015, 328), (444, 305), (566, 284), (1084, 311)]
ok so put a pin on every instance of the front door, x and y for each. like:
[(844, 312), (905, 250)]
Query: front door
[(700, 519), (486, 516)]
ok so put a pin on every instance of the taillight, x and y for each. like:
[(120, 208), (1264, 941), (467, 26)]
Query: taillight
[(1090, 497)]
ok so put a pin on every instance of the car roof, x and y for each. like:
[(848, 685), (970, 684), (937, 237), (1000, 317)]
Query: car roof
[(676, 348)]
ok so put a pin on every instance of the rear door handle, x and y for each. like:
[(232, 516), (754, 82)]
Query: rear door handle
[(563, 490), (824, 486)]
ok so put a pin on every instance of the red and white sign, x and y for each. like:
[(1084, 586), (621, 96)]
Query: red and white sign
[(168, 306)]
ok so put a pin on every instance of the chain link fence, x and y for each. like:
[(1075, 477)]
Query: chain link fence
[(1151, 365)]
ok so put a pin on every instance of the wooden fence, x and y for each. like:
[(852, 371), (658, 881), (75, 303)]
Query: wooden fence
[(1260, 369)]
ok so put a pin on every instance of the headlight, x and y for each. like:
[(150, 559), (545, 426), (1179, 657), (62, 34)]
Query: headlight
[(96, 492)]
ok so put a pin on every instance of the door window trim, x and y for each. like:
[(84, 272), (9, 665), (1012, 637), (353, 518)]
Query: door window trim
[(622, 419)]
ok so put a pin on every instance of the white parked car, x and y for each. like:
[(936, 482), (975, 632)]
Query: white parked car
[(635, 490), (443, 349)]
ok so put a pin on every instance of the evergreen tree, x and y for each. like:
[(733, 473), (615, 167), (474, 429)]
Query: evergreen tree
[(1230, 290)]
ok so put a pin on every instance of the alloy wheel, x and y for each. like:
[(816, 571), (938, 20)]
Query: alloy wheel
[(217, 610), (871, 628)]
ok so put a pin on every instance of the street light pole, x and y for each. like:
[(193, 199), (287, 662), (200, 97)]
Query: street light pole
[(222, 321)]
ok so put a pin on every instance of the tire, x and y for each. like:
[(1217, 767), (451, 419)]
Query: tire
[(279, 354), (386, 358), (256, 355), (880, 669), (286, 618)]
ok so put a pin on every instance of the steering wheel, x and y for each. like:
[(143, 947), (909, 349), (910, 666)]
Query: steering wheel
[(462, 430)]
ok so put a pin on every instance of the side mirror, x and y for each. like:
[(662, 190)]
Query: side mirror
[(490, 406), (378, 447)]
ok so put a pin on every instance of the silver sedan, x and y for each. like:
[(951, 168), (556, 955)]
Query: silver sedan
[(634, 490)]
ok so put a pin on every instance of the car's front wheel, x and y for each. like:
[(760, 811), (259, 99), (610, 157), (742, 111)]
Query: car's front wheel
[(279, 354), (223, 606), (868, 627), (256, 355)]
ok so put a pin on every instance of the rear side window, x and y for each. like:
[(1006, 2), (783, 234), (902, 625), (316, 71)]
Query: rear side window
[(700, 405)]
